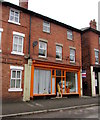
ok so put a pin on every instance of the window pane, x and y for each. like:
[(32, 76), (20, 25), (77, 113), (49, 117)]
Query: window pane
[(96, 53), (71, 82), (15, 39), (42, 48), (59, 52), (13, 74), (12, 18), (69, 34), (46, 26), (16, 14), (15, 48), (16, 19), (99, 40), (58, 72), (41, 52), (18, 83), (19, 48), (12, 12), (12, 83), (18, 74), (20, 40), (72, 55)]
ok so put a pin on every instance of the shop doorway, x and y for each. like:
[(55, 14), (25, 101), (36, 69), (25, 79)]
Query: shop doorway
[(58, 86), (96, 83)]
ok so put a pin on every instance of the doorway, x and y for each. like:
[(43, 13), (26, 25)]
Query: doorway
[(96, 83)]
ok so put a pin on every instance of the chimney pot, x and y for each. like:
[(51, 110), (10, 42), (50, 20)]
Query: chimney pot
[(93, 24), (23, 3)]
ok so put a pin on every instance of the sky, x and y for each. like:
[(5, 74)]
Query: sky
[(76, 13)]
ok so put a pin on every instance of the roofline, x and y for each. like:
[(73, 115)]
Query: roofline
[(91, 29), (41, 16)]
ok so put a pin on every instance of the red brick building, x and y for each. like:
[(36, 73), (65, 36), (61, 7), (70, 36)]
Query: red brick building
[(40, 56), (91, 59)]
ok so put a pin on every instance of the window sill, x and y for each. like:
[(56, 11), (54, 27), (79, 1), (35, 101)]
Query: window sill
[(14, 22), (42, 57), (46, 32), (17, 53), (69, 39), (58, 59), (15, 90), (71, 62), (97, 63)]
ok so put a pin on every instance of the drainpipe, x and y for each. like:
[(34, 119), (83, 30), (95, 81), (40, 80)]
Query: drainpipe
[(29, 38)]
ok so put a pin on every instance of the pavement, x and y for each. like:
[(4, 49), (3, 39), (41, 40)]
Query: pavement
[(12, 109)]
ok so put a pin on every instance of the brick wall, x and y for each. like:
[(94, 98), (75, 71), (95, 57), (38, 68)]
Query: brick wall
[(90, 41), (58, 34), (9, 59)]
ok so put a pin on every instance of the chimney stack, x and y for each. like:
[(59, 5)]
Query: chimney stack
[(23, 3), (93, 24)]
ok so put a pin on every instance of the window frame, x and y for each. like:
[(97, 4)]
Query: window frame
[(69, 34), (46, 25), (45, 43), (96, 57), (60, 46), (73, 55), (19, 35), (14, 21), (16, 68), (1, 30)]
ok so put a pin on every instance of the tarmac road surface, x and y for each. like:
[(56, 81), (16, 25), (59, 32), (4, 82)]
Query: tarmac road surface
[(88, 112)]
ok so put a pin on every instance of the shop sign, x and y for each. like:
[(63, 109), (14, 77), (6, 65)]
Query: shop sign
[(83, 73)]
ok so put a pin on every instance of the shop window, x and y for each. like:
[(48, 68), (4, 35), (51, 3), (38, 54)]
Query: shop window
[(69, 35), (58, 72), (72, 55), (46, 26), (14, 16), (58, 52), (53, 85), (16, 78), (96, 56), (71, 82), (42, 49), (52, 72), (42, 82)]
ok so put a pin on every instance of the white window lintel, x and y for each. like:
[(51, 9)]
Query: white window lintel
[(72, 47), (58, 44), (16, 68), (19, 34), (43, 40), (96, 50)]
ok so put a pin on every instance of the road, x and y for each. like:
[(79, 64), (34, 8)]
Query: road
[(88, 112)]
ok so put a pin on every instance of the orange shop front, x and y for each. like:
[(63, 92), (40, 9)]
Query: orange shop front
[(49, 79)]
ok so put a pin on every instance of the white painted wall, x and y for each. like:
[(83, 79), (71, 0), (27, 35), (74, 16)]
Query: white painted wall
[(27, 80), (93, 82), (81, 82), (99, 81)]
